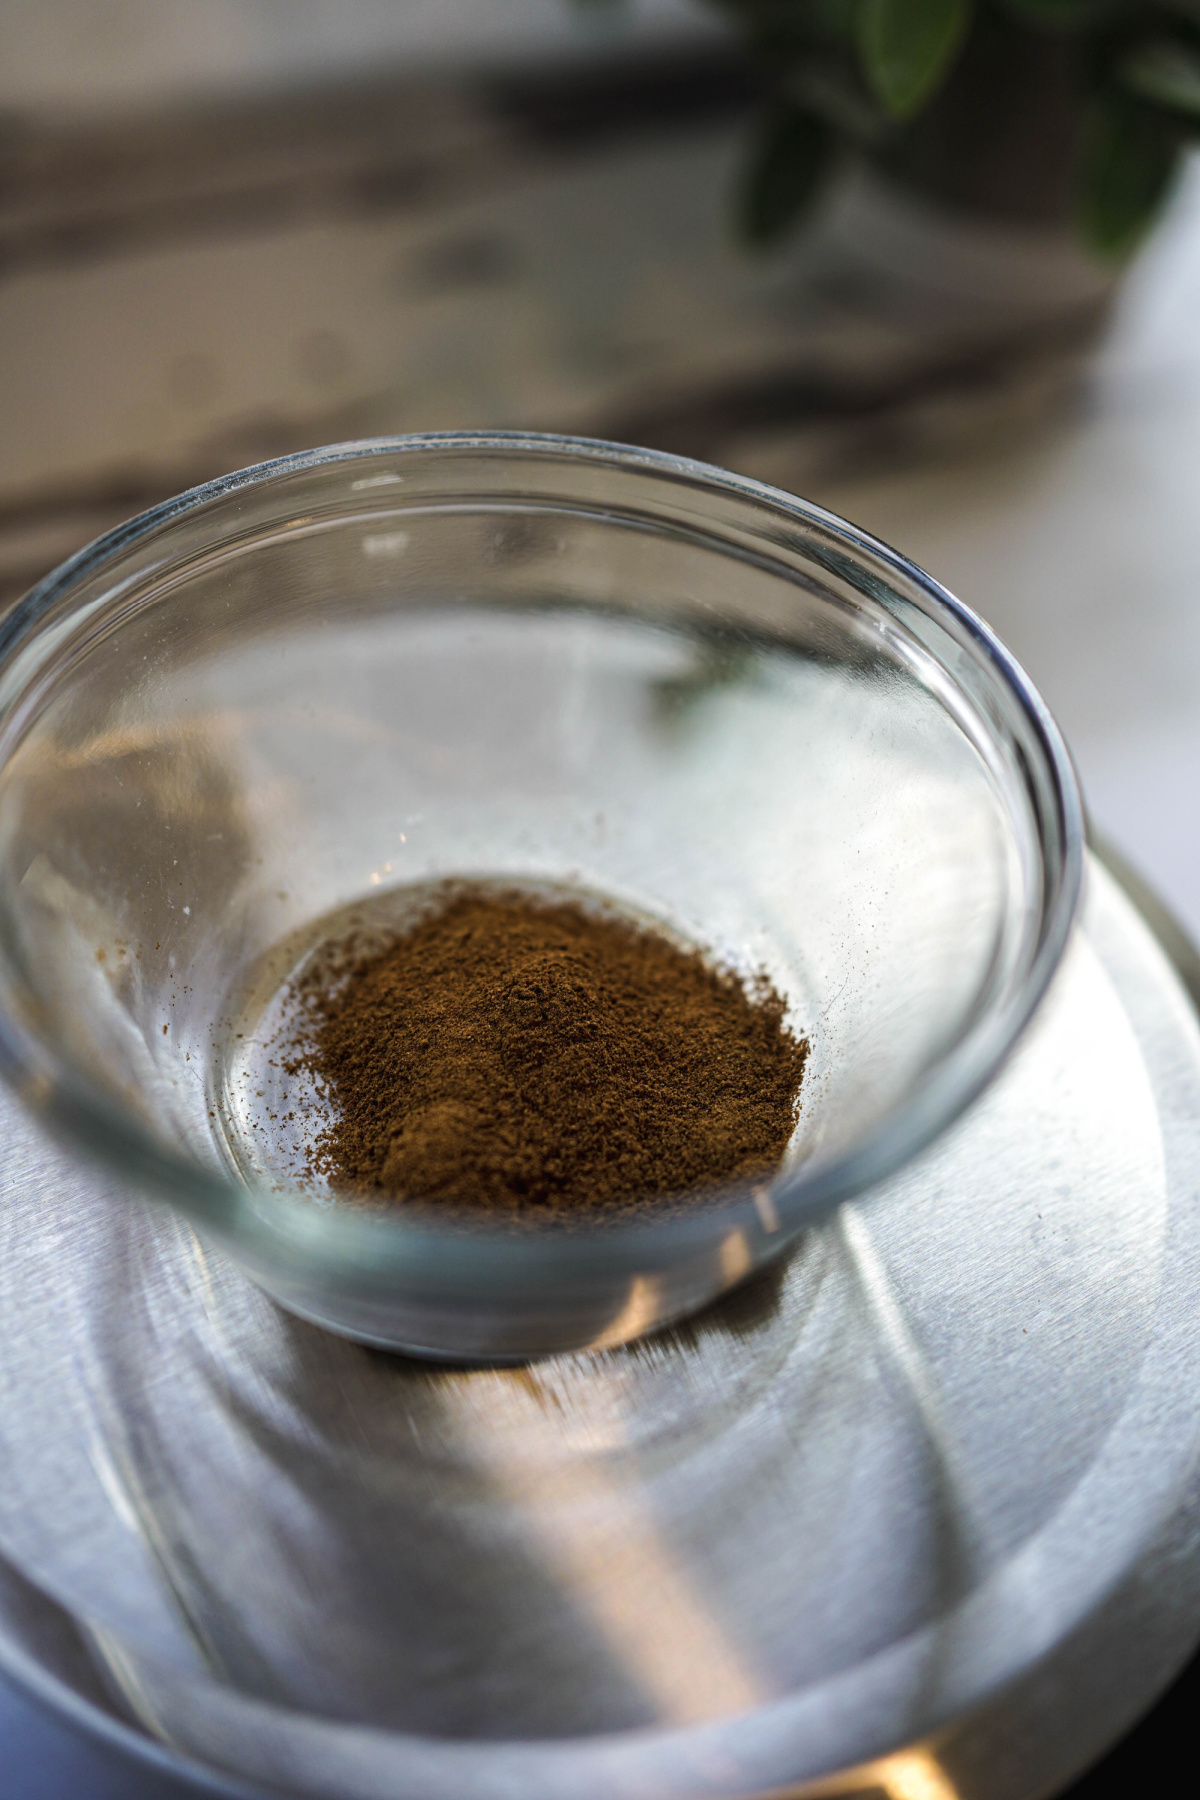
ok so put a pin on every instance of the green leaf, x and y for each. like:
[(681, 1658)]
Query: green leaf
[(1165, 72), (908, 46), (787, 166), (1129, 156)]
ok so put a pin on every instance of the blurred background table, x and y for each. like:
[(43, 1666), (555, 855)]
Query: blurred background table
[(232, 229)]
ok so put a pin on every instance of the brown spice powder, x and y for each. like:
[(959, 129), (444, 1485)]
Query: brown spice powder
[(537, 1057)]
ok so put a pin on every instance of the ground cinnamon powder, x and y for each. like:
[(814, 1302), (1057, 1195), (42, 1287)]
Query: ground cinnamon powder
[(533, 1056)]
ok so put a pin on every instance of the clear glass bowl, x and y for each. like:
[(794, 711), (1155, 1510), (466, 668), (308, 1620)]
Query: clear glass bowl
[(345, 674)]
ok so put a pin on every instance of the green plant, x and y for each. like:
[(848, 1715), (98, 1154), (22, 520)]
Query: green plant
[(907, 82)]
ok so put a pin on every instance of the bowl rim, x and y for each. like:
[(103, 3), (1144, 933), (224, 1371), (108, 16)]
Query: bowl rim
[(80, 1113)]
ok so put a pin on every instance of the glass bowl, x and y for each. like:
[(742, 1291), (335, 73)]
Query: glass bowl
[(343, 675)]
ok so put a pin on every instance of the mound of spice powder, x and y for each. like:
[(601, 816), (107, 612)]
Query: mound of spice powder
[(519, 1054)]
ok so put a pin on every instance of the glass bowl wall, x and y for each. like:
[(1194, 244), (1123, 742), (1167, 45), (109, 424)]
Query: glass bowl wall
[(350, 673)]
